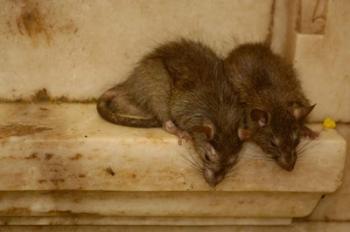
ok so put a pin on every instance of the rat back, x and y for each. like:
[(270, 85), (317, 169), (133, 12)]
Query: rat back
[(144, 99), (263, 78)]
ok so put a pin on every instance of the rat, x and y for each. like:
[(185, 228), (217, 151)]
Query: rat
[(181, 87), (271, 92)]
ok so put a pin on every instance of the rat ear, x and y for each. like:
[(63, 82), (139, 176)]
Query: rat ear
[(302, 112), (207, 128), (259, 116)]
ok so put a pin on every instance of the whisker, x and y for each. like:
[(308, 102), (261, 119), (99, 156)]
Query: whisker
[(191, 162), (301, 150), (264, 157)]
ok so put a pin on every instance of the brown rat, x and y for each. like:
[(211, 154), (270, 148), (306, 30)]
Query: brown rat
[(181, 86), (273, 97)]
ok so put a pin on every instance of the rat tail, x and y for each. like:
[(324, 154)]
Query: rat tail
[(115, 107)]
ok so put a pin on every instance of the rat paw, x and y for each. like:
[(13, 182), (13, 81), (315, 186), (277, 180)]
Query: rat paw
[(170, 127), (308, 133), (183, 135)]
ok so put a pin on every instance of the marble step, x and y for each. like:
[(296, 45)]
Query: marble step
[(64, 159), (295, 227)]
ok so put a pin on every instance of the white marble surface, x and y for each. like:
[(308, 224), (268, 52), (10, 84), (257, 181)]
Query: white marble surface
[(296, 227), (336, 206), (69, 147), (78, 49), (179, 207), (145, 221), (139, 174), (322, 61)]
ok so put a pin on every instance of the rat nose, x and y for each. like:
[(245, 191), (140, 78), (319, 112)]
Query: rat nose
[(287, 162), (213, 178)]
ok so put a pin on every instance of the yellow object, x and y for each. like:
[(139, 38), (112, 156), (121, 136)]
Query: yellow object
[(329, 123)]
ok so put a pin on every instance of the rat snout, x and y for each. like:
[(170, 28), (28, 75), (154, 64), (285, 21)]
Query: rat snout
[(287, 161), (213, 178)]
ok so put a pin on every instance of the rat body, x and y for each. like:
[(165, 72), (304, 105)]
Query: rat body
[(273, 97), (181, 86)]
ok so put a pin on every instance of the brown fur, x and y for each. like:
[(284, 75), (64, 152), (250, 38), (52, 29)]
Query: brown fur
[(269, 88), (183, 82)]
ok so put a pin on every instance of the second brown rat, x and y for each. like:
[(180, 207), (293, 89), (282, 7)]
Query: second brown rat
[(181, 86), (272, 94)]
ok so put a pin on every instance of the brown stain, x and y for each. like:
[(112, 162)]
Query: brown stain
[(70, 213), (32, 156), (81, 175), (32, 23), (4, 222), (110, 171), (39, 21), (15, 211), (41, 181), (69, 27), (57, 181), (76, 157), (20, 130), (48, 156), (41, 96)]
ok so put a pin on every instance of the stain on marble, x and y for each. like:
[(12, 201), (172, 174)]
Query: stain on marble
[(41, 96), (32, 156), (20, 130), (37, 20), (110, 171), (76, 156), (48, 156), (57, 181), (31, 22), (40, 181), (16, 211)]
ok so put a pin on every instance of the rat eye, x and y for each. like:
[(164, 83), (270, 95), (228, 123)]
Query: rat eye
[(273, 144), (206, 157)]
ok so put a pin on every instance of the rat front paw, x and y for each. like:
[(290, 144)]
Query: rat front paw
[(171, 128), (307, 132), (183, 135)]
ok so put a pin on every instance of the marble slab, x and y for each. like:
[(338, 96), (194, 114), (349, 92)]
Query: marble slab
[(141, 221), (78, 49), (176, 207), (63, 160), (336, 206), (69, 147), (295, 227)]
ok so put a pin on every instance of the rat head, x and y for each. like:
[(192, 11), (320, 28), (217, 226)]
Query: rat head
[(278, 132), (218, 151)]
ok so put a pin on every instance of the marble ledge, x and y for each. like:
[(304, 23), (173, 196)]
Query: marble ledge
[(295, 227), (77, 169), (69, 147)]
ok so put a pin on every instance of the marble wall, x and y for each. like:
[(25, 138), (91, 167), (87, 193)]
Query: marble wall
[(77, 49)]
